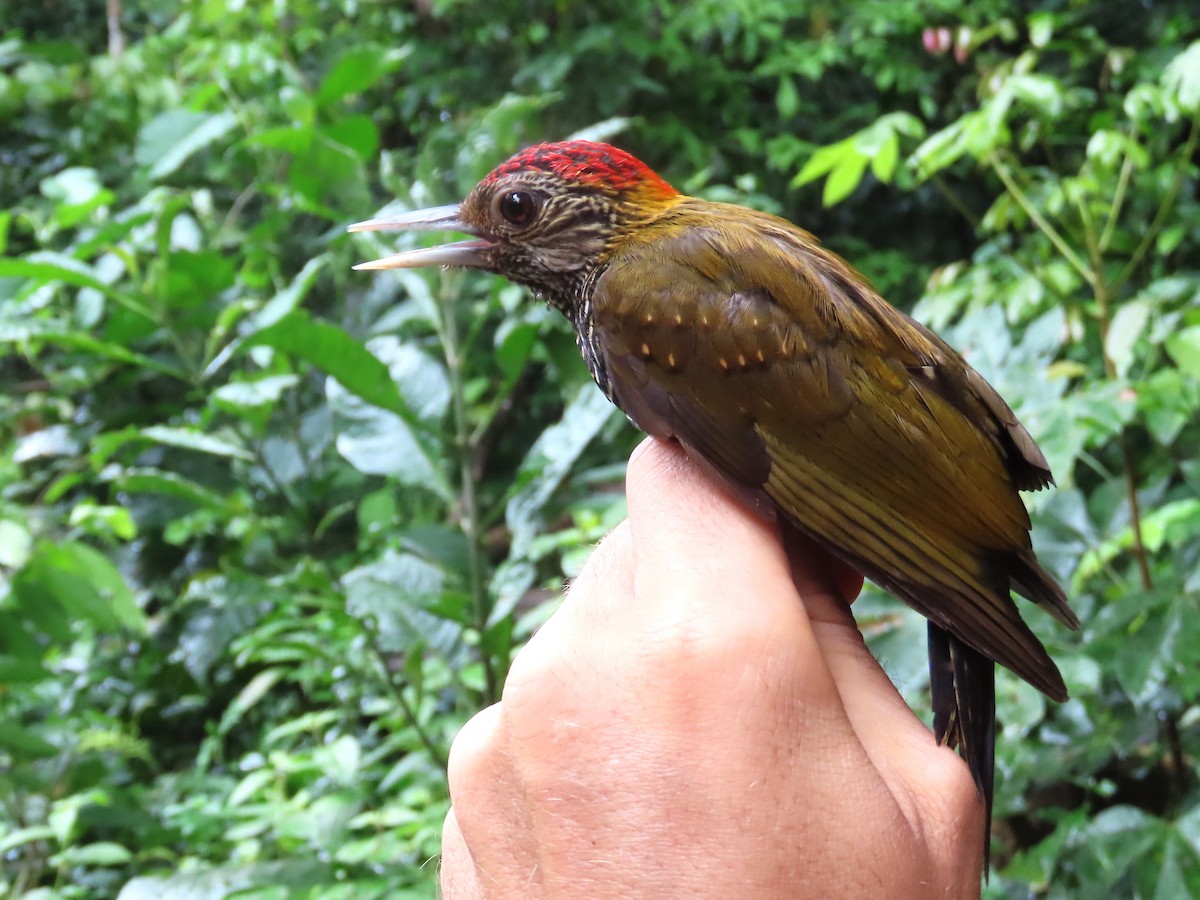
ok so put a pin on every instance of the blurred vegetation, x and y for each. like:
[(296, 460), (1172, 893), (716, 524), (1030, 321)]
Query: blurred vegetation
[(271, 531)]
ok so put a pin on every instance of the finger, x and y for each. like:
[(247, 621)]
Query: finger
[(897, 742), (827, 585), (484, 788), (692, 539), (459, 877), (606, 577)]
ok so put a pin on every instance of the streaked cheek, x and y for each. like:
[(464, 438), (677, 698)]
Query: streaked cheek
[(573, 250)]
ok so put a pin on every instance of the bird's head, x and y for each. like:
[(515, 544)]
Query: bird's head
[(546, 218)]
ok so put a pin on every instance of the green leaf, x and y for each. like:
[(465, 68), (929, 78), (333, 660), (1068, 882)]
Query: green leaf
[(550, 460), (167, 484), (336, 354), (1184, 347), (249, 696), (15, 544), (942, 148), (380, 442), (358, 133), (822, 162), (1127, 326), (83, 582), (357, 69), (884, 161), (258, 392), (193, 439), (233, 880), (787, 98), (28, 835), (168, 140), (845, 177), (1182, 78), (395, 595), (23, 743), (101, 853)]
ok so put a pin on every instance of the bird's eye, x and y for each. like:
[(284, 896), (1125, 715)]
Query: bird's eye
[(518, 207)]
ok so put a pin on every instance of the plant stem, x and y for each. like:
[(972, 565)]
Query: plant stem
[(463, 445), (1101, 292), (1039, 220), (1164, 208), (1114, 211), (956, 201), (397, 691)]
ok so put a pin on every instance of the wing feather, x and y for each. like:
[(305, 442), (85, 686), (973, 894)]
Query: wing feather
[(774, 362)]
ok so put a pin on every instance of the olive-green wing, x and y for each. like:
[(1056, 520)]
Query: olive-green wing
[(774, 363)]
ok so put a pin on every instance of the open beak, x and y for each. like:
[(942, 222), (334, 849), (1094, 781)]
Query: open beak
[(472, 254)]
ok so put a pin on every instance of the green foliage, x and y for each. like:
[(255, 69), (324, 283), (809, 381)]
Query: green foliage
[(271, 530)]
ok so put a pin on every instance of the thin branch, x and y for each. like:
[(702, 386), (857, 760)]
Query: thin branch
[(1039, 220), (397, 691), (1164, 208), (1101, 292), (116, 38), (956, 201), (447, 326), (1114, 211)]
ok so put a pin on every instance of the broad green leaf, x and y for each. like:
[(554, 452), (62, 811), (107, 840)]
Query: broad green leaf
[(1127, 326), (290, 297), (357, 69), (942, 148), (379, 442), (192, 439), (232, 880), (264, 391), (1182, 78), (396, 594), (15, 544), (140, 480), (602, 131), (101, 853), (358, 133), (1184, 347), (167, 141), (885, 159), (823, 161), (84, 582), (550, 460), (23, 743), (787, 98), (252, 692), (27, 835), (1040, 91), (844, 178), (220, 607), (16, 670), (336, 354)]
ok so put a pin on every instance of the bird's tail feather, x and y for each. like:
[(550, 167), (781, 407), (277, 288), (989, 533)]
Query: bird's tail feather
[(962, 682)]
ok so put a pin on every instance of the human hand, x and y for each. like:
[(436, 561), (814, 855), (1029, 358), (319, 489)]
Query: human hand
[(701, 718)]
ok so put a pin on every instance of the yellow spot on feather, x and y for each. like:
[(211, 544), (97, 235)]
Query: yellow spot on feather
[(724, 363), (646, 351), (742, 360), (671, 360)]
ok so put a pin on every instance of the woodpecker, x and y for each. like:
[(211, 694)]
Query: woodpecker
[(778, 368)]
